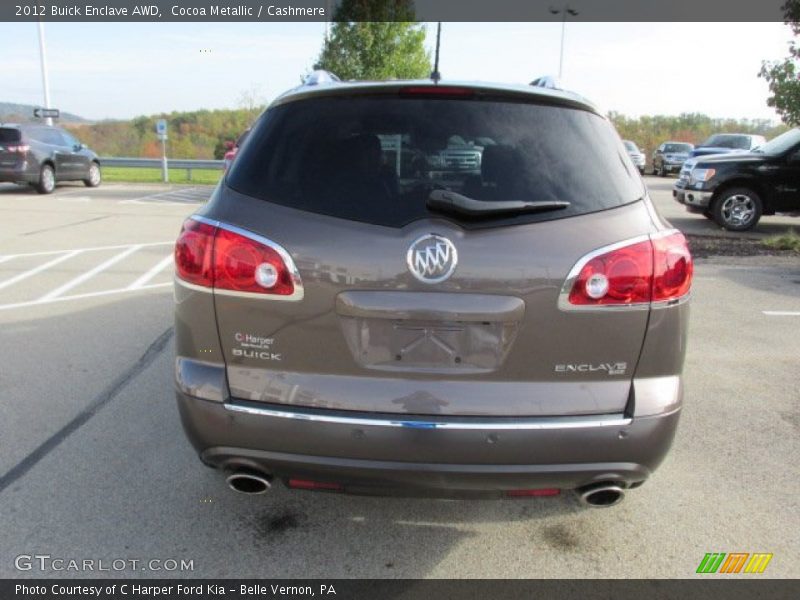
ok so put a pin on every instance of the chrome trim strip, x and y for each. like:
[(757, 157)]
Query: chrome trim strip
[(542, 423), (563, 296), (299, 291), (670, 303), (192, 286)]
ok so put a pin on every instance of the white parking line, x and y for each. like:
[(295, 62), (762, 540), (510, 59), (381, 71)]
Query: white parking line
[(10, 256), (781, 313), (148, 197), (89, 274), (39, 269), (81, 296), (176, 197), (151, 273)]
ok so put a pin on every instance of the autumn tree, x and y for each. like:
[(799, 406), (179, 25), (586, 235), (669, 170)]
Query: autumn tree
[(783, 76)]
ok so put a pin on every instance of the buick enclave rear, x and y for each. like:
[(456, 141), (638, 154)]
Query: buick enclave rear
[(432, 289)]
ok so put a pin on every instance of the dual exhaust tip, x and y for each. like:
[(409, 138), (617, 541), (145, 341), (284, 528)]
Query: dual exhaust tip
[(597, 495), (250, 482), (601, 495)]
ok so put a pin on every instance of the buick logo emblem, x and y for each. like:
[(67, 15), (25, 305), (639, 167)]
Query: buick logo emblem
[(432, 258)]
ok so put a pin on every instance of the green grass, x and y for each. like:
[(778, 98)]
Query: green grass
[(786, 241), (135, 175)]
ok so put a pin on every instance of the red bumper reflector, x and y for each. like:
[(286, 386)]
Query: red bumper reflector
[(528, 493), (307, 484)]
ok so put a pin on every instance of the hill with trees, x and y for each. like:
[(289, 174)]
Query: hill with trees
[(11, 112), (202, 133), (196, 134), (650, 131)]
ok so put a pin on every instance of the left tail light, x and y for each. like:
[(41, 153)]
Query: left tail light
[(19, 149), (231, 260)]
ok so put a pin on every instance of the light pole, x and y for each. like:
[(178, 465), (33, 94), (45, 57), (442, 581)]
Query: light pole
[(563, 11), (43, 60)]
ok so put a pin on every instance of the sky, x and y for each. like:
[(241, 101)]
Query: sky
[(122, 70)]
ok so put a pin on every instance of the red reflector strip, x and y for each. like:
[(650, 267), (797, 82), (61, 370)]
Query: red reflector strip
[(307, 484), (435, 90), (528, 493)]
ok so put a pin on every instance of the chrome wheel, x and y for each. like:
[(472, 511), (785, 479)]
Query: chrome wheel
[(94, 176), (738, 210), (47, 180)]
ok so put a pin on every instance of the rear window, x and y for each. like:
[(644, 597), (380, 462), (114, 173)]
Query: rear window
[(677, 148), (376, 159), (9, 135), (736, 142)]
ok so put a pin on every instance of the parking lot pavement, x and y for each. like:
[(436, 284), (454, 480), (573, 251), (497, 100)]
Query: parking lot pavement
[(696, 224), (95, 464)]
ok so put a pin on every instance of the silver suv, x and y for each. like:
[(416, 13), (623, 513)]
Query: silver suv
[(355, 314)]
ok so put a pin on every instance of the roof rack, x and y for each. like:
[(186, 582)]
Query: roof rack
[(547, 81), (320, 76)]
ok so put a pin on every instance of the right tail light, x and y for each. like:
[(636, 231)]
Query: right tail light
[(234, 261), (635, 273)]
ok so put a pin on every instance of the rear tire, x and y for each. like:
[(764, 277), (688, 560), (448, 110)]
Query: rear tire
[(737, 209), (47, 180), (94, 179)]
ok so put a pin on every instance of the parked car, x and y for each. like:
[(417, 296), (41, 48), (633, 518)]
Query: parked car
[(637, 156), (737, 189), (344, 323), (41, 156), (232, 148), (669, 157), (723, 143)]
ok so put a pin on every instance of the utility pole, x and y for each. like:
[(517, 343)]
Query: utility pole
[(328, 18), (43, 60), (563, 11)]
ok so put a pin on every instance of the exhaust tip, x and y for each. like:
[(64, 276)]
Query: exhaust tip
[(249, 482), (602, 495)]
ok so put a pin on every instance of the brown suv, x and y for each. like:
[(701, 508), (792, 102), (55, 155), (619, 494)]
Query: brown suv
[(354, 313)]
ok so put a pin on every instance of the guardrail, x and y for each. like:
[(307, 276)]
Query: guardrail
[(155, 163)]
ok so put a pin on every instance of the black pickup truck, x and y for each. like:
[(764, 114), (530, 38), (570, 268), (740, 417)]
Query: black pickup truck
[(737, 189)]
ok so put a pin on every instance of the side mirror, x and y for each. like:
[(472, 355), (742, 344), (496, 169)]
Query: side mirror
[(78, 147)]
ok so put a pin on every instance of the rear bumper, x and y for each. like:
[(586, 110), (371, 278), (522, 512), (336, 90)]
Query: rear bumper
[(19, 173), (370, 453), (671, 167), (692, 198)]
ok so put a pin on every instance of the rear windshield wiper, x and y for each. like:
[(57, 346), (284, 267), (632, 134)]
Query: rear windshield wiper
[(446, 200)]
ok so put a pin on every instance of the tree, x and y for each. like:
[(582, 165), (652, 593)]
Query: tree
[(783, 76), (375, 39)]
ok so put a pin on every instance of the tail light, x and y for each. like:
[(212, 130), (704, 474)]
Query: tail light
[(194, 252), (637, 273), (232, 260), (19, 149)]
